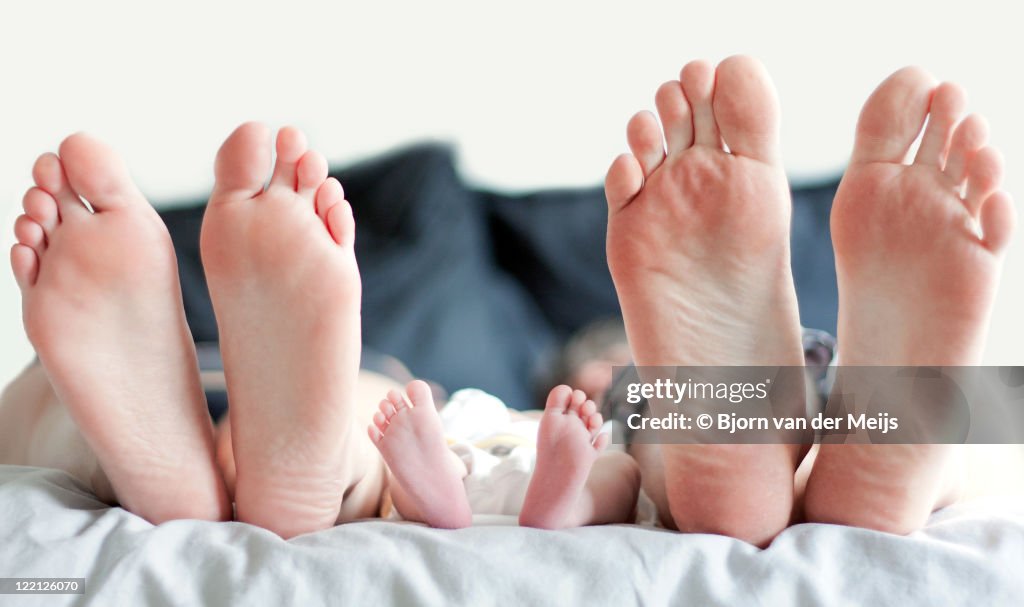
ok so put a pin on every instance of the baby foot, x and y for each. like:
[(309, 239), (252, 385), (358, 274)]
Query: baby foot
[(568, 443), (698, 247), (102, 307), (286, 291), (916, 280), (427, 475)]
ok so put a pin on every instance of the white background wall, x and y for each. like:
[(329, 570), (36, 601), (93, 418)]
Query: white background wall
[(533, 93)]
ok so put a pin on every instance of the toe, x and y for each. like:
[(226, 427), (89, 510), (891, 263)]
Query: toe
[(242, 163), (41, 207), (746, 108), (698, 81), (602, 441), (387, 409), (644, 137), (947, 105), (310, 173), (998, 219), (30, 233), (558, 399), (577, 400), (48, 173), (341, 224), (397, 399), (25, 265), (675, 116), (335, 212), (587, 409), (419, 393), (291, 145), (970, 136), (97, 173), (893, 116), (623, 182), (375, 434), (984, 175), (328, 194), (594, 422)]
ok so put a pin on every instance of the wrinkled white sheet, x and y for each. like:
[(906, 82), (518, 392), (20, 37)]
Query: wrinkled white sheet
[(50, 526)]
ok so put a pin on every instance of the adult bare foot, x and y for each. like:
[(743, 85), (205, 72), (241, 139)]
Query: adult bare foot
[(916, 281), (698, 247), (428, 475), (285, 288), (568, 444), (102, 307)]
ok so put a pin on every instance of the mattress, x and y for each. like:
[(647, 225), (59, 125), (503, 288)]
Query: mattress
[(51, 526)]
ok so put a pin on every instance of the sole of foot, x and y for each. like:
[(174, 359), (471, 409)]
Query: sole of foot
[(408, 433), (285, 287), (698, 247), (919, 248), (103, 309), (568, 444)]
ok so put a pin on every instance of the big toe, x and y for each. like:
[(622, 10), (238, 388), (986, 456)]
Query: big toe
[(419, 393), (559, 399), (243, 162), (97, 173), (746, 108), (893, 116)]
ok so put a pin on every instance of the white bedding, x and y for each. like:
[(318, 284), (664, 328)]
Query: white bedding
[(50, 526)]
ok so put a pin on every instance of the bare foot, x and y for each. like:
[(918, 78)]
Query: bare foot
[(427, 476), (102, 307), (916, 281), (698, 247), (286, 291), (568, 443)]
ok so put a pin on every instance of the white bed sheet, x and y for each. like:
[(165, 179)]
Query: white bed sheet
[(50, 526)]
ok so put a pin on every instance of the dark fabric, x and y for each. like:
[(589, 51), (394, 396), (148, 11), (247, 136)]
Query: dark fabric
[(553, 242), (814, 263), (473, 288)]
